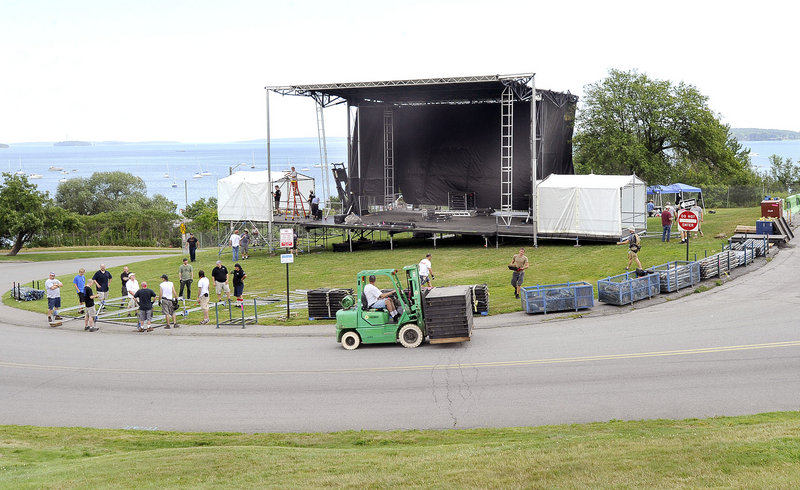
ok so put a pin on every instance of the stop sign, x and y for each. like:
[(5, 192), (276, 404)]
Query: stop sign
[(688, 221)]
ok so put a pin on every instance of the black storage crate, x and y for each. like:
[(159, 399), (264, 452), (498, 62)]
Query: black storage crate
[(448, 312), (323, 303)]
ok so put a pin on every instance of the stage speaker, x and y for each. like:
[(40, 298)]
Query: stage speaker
[(339, 218)]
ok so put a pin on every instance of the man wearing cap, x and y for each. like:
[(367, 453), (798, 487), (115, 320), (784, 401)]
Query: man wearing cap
[(167, 290), (132, 286), (52, 288), (219, 278), (144, 298), (666, 223), (634, 245), (79, 282)]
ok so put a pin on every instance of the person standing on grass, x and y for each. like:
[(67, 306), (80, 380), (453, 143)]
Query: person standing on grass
[(219, 279), (245, 242), (425, 270), (698, 211), (519, 262), (80, 282), (52, 288), (91, 312), (238, 284), (186, 276), (234, 241), (202, 295), (132, 287), (634, 245), (666, 223), (144, 298), (167, 290), (101, 278), (192, 241), (123, 278)]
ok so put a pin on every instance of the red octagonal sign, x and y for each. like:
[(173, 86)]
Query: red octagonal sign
[(688, 221)]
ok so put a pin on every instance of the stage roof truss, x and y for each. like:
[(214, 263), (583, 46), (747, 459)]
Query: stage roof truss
[(422, 91)]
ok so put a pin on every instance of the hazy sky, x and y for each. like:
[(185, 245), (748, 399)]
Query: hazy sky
[(195, 71)]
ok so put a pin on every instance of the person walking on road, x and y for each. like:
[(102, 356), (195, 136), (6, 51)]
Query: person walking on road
[(203, 295), (634, 245), (91, 313), (144, 298), (519, 262), (186, 276), (52, 288), (168, 294), (425, 270)]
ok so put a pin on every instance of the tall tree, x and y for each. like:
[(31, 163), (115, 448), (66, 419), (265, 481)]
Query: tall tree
[(784, 174), (26, 211), (101, 192), (630, 123)]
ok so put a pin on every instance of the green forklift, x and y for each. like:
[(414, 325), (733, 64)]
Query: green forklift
[(357, 324)]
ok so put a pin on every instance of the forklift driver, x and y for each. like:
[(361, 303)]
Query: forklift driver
[(377, 299)]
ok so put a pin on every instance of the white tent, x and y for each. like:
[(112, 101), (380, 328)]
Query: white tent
[(599, 206), (247, 196)]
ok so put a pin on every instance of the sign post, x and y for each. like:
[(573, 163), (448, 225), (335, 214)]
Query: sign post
[(287, 240), (688, 221)]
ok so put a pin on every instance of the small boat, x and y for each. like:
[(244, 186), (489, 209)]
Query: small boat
[(174, 184), (55, 169), (35, 176), (198, 175), (317, 165), (166, 174), (62, 180), (305, 169), (65, 171)]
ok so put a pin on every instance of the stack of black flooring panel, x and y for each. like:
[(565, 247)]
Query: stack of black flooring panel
[(448, 312), (325, 302), (480, 299)]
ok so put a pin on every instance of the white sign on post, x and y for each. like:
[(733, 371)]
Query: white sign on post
[(287, 258), (287, 238)]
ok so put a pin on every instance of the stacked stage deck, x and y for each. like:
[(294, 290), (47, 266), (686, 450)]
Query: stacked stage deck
[(448, 314), (323, 303)]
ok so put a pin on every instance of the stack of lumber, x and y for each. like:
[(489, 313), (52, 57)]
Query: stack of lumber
[(557, 297), (480, 299), (325, 302), (677, 275), (448, 313)]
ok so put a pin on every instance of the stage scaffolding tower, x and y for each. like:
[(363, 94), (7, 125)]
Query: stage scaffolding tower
[(506, 154), (323, 152), (388, 156)]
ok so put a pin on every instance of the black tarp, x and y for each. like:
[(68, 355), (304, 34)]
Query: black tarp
[(443, 148)]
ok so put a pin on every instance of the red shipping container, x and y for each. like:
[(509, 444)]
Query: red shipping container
[(772, 209)]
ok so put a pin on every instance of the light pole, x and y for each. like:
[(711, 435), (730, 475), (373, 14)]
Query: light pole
[(231, 169)]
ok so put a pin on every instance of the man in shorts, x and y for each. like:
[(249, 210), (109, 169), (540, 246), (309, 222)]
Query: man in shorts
[(219, 279), (167, 290), (80, 282), (101, 279), (52, 288), (144, 298), (634, 245), (91, 312), (203, 295), (519, 262), (131, 287)]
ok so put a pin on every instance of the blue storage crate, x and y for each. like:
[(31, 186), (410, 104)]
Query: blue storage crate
[(677, 274), (626, 288), (764, 227), (557, 297)]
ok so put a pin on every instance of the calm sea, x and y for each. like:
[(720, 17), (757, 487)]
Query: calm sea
[(151, 161)]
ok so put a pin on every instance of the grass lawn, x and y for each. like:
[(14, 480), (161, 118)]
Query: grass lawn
[(761, 451), (554, 261)]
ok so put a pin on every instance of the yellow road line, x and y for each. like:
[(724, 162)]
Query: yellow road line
[(528, 362)]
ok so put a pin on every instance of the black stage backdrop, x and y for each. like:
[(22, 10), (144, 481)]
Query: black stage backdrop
[(456, 148)]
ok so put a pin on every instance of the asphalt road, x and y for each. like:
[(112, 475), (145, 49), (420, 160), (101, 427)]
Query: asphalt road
[(732, 350)]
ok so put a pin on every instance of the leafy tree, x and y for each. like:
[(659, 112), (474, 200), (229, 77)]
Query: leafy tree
[(660, 131), (783, 174), (203, 214), (102, 192), (27, 211)]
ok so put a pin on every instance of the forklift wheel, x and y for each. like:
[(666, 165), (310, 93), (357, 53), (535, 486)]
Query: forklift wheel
[(410, 336), (351, 340)]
